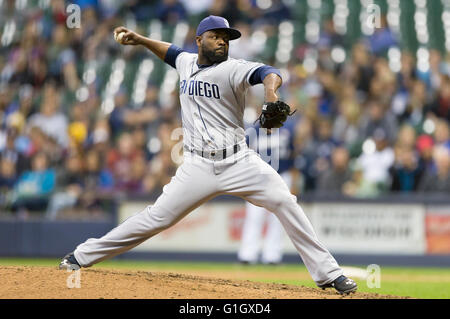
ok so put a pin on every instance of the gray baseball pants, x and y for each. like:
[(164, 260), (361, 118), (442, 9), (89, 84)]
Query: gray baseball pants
[(198, 180)]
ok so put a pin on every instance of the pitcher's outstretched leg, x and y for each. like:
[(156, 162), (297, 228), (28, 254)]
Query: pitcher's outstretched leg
[(193, 178)]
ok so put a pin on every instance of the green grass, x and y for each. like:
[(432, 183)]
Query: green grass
[(426, 283), (421, 290)]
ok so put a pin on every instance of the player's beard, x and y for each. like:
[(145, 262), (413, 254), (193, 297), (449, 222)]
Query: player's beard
[(215, 56)]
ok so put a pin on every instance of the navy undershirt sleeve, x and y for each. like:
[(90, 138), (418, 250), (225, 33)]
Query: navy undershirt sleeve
[(172, 54), (260, 73)]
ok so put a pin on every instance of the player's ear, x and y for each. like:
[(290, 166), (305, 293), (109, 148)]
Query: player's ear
[(198, 40)]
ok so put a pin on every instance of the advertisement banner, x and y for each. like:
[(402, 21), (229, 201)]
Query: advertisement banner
[(212, 227), (342, 228), (370, 228), (438, 230)]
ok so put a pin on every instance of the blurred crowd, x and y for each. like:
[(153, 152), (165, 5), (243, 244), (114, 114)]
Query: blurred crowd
[(363, 129)]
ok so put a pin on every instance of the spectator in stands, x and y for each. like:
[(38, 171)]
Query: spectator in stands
[(152, 96), (123, 117), (61, 57), (375, 164), (121, 161), (324, 142), (26, 103), (20, 75), (38, 72), (437, 69), (58, 10), (100, 136), (244, 47), (138, 172), (8, 174), (383, 85), (171, 11), (406, 171), (331, 88), (424, 147), (416, 106), (316, 153), (197, 7), (85, 4), (335, 177), (442, 133), (382, 38), (6, 96), (359, 70), (406, 137), (438, 179), (110, 9), (346, 125), (49, 119), (37, 141), (162, 168), (226, 8), (303, 144), (190, 44), (97, 179), (277, 12), (408, 73), (140, 139), (69, 186), (98, 183), (441, 104), (23, 105), (8, 178), (33, 189), (313, 91), (329, 38), (116, 118), (11, 152), (378, 116)]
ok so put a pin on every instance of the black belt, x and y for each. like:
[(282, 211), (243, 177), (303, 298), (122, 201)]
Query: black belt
[(216, 154)]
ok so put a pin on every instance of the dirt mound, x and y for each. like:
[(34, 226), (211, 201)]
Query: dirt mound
[(50, 283)]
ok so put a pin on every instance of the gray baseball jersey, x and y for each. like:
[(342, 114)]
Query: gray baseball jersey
[(213, 100)]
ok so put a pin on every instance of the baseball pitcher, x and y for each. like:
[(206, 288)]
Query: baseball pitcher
[(217, 160)]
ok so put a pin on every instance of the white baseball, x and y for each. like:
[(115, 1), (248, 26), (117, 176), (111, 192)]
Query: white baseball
[(119, 37)]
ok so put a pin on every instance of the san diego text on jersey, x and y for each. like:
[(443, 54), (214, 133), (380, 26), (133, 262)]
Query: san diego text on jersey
[(199, 88)]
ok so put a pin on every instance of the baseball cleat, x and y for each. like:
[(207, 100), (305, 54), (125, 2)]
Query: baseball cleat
[(69, 262), (342, 284)]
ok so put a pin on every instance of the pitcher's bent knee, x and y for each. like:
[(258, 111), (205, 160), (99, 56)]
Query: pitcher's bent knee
[(279, 201), (161, 219)]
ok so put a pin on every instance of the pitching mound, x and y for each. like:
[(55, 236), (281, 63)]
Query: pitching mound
[(49, 283)]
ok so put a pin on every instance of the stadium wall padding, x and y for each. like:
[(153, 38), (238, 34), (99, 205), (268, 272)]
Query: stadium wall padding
[(47, 238)]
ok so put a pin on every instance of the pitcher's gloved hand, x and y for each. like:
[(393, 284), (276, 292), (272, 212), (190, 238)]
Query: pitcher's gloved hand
[(274, 114)]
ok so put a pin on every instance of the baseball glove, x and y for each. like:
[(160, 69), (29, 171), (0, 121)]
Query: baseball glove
[(274, 114)]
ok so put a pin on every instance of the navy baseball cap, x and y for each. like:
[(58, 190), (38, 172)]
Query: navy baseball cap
[(213, 23)]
